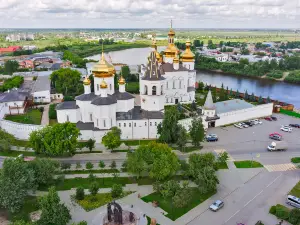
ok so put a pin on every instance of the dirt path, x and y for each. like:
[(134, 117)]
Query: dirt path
[(285, 74)]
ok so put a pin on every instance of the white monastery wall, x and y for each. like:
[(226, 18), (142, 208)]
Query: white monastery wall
[(245, 114), (125, 105), (42, 96), (70, 115)]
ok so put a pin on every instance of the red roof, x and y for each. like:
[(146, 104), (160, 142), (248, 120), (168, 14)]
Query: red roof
[(10, 49)]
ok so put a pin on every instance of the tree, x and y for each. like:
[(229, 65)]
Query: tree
[(53, 212), (21, 222), (246, 97), (183, 196), (237, 94), (125, 71), (44, 170), (214, 93), (196, 131), (223, 157), (67, 81), (113, 164), (89, 166), (94, 187), (101, 164), (155, 158), (268, 100), (260, 100), (78, 165), (198, 161), (6, 140), (182, 137), (79, 193), (167, 130), (112, 139), (116, 190), (10, 66), (207, 180), (56, 140), (16, 179), (90, 144)]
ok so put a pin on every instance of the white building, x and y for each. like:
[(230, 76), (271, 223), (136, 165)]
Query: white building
[(41, 90), (163, 81)]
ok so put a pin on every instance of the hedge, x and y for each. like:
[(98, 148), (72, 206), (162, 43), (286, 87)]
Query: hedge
[(52, 112)]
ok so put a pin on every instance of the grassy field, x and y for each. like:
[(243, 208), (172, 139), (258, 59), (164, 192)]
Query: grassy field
[(295, 160), (296, 190), (30, 205), (32, 116), (16, 153), (172, 212), (247, 164), (137, 142), (90, 171), (222, 166), (290, 113)]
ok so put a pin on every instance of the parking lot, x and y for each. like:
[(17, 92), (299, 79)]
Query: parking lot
[(255, 139)]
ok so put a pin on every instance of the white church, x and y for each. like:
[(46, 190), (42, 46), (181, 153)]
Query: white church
[(164, 81)]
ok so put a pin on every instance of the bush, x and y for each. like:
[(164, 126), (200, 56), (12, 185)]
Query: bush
[(293, 77), (101, 164), (282, 212), (92, 176), (113, 165), (52, 112), (116, 190), (41, 109), (68, 98), (276, 74), (89, 166), (78, 165), (79, 193), (94, 187), (273, 210), (65, 166)]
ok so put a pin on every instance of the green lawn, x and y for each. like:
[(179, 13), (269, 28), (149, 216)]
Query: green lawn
[(295, 160), (172, 212), (296, 190), (90, 171), (52, 122), (92, 202), (21, 143), (221, 166), (30, 205), (16, 153), (191, 149), (290, 113), (247, 164), (32, 116), (137, 142)]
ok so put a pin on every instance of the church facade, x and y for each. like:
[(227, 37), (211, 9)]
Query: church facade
[(163, 81)]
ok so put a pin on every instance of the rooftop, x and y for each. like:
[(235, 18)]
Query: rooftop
[(42, 83), (232, 105), (138, 114), (14, 96)]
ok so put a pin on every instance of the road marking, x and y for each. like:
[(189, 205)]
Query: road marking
[(253, 198), (274, 180), (280, 167), (232, 216), (218, 151)]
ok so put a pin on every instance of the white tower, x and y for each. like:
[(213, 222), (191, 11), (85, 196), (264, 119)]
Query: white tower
[(87, 85), (122, 84), (152, 86)]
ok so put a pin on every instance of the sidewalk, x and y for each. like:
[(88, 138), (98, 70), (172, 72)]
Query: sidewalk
[(45, 117)]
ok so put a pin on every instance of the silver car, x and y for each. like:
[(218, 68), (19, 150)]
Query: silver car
[(216, 205)]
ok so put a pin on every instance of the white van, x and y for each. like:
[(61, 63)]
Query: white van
[(293, 201)]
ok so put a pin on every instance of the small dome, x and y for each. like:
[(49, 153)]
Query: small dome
[(188, 55), (122, 80), (103, 84), (171, 32), (176, 60), (86, 81)]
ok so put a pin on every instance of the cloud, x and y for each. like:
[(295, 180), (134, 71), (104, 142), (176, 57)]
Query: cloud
[(154, 13)]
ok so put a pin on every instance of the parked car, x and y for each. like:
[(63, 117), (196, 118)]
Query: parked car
[(275, 137), (244, 125), (294, 125), (278, 146), (211, 138), (274, 118), (286, 129), (268, 118), (255, 121), (238, 125), (275, 133), (216, 205), (250, 124)]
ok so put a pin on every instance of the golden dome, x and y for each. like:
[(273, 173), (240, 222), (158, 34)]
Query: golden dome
[(171, 50), (86, 81), (188, 55), (103, 84), (103, 68), (176, 60), (122, 80), (171, 32)]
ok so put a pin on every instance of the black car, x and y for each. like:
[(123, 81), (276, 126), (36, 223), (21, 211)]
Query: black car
[(249, 123), (294, 125), (211, 138), (274, 118), (275, 137)]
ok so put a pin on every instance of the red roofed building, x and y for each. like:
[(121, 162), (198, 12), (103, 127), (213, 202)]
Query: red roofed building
[(26, 64), (10, 49)]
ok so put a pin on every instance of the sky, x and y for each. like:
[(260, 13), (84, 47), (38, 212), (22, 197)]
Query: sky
[(149, 13)]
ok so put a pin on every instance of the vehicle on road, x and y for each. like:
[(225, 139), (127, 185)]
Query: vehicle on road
[(294, 125), (216, 205), (274, 118), (250, 124), (293, 201), (275, 137), (278, 146), (238, 125), (244, 125), (275, 133), (286, 129), (212, 137), (268, 118)]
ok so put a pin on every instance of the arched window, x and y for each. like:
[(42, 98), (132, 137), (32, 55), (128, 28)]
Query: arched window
[(153, 90), (167, 85), (109, 86), (173, 84), (167, 100), (180, 84), (146, 90), (97, 87), (162, 90)]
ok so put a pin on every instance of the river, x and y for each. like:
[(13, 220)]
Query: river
[(281, 91)]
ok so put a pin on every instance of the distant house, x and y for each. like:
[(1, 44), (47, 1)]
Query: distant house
[(26, 64), (41, 90), (10, 49)]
